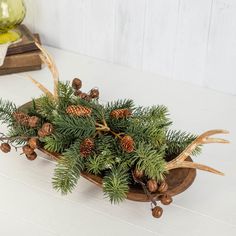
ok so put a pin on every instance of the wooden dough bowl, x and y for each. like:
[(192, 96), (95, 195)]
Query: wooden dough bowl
[(178, 180)]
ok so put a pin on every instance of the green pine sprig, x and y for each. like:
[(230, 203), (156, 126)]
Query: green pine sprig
[(115, 185)]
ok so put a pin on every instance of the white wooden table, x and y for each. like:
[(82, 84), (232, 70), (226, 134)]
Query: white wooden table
[(29, 205)]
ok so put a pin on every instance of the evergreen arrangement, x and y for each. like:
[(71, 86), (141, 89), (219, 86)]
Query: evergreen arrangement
[(124, 144)]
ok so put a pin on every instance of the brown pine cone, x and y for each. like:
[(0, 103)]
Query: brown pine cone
[(152, 185), (33, 121), (47, 128), (77, 93), (120, 113), (33, 143), (21, 118), (32, 156), (27, 150), (138, 173), (79, 111), (77, 84), (41, 133), (94, 93), (86, 147), (85, 97), (166, 199), (5, 147), (163, 187), (127, 143), (157, 212)]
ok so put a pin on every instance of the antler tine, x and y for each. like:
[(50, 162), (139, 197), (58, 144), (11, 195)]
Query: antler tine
[(193, 165), (202, 139), (40, 86), (179, 161), (47, 59)]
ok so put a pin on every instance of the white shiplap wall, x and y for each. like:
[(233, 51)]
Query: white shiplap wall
[(190, 40)]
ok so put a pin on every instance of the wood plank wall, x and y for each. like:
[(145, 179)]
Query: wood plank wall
[(189, 40)]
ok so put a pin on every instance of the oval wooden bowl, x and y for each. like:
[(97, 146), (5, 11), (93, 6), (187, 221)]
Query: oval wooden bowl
[(178, 180)]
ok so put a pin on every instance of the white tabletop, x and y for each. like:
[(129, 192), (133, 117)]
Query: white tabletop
[(29, 206)]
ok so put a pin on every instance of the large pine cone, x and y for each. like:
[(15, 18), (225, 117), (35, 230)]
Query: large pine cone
[(79, 111)]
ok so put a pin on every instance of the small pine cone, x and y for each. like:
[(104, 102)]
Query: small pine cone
[(120, 113), (27, 150), (85, 97), (5, 147), (33, 121), (21, 118), (166, 199), (33, 143), (157, 212), (32, 156), (41, 133), (152, 185), (94, 93), (163, 187), (86, 147), (47, 129), (77, 93), (77, 84), (127, 144), (138, 173), (79, 111)]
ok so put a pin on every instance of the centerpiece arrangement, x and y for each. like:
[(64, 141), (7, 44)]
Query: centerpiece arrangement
[(130, 151)]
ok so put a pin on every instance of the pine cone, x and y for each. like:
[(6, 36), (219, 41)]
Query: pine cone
[(163, 187), (86, 147), (85, 97), (166, 199), (138, 173), (5, 147), (33, 143), (32, 156), (94, 93), (152, 185), (27, 150), (77, 84), (21, 118), (41, 133), (77, 93), (33, 121), (120, 113), (47, 129), (157, 212), (127, 144), (79, 111)]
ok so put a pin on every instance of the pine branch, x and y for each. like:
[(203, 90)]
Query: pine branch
[(150, 161), (68, 169), (6, 110), (75, 127), (177, 141), (46, 107), (98, 163), (57, 142), (115, 185), (65, 93)]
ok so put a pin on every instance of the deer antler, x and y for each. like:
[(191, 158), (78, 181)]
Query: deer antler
[(180, 160), (48, 60)]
